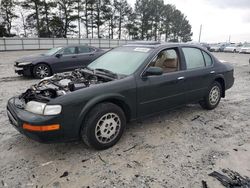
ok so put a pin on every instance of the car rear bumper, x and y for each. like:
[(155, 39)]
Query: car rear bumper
[(18, 117)]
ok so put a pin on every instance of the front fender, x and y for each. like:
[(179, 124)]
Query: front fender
[(91, 103)]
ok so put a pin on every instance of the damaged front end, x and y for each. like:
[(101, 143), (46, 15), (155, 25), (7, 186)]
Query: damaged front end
[(64, 83)]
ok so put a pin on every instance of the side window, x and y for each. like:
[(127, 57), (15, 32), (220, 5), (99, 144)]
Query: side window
[(83, 49), (194, 58), (207, 58), (167, 60), (69, 51)]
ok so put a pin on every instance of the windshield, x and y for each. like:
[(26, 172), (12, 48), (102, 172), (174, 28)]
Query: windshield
[(123, 60), (52, 51)]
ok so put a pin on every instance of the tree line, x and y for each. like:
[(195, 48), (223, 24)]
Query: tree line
[(148, 20)]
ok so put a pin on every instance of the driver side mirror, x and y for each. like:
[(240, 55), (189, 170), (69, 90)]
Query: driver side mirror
[(153, 71), (58, 55)]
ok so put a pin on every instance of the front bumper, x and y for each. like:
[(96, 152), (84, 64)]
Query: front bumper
[(23, 70), (18, 117)]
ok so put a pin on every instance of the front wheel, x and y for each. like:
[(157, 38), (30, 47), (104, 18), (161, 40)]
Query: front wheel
[(41, 71), (103, 126), (212, 99)]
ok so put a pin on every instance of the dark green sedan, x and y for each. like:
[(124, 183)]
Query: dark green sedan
[(127, 83)]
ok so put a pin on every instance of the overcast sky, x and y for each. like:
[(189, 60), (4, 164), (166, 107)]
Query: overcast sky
[(220, 18)]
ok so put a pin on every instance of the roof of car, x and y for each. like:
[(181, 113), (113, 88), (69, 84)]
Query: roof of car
[(153, 44), (77, 45)]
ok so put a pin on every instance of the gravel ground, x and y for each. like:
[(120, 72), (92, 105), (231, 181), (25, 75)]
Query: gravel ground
[(173, 149)]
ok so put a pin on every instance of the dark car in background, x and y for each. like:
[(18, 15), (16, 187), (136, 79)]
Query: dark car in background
[(127, 83), (59, 59)]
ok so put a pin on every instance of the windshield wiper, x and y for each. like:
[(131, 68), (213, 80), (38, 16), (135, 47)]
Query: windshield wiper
[(107, 72)]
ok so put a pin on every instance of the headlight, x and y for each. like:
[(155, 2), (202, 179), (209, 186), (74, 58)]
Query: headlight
[(24, 63), (42, 108), (52, 109)]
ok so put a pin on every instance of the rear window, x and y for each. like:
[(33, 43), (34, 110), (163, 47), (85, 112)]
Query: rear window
[(207, 58), (194, 58), (84, 49)]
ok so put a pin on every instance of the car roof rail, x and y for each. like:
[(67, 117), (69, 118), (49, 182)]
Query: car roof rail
[(144, 42)]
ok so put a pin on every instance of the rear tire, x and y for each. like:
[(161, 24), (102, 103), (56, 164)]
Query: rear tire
[(41, 71), (103, 126), (212, 99)]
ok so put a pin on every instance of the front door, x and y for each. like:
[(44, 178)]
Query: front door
[(68, 61), (158, 93)]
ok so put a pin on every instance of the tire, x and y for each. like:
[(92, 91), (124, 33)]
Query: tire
[(103, 126), (41, 71), (213, 97)]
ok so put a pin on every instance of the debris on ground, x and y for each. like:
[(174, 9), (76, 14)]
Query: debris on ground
[(130, 148), (102, 159), (84, 160), (65, 174), (231, 179), (195, 118), (204, 184), (47, 163)]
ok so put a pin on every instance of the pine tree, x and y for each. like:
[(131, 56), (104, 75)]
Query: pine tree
[(123, 10), (68, 16), (33, 19), (7, 13)]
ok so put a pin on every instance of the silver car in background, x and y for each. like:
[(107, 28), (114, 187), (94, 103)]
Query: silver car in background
[(233, 48), (245, 49)]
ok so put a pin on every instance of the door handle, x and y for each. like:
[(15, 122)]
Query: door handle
[(181, 78), (73, 56), (212, 72), (91, 54)]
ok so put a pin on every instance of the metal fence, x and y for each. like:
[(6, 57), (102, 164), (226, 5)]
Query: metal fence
[(7, 44)]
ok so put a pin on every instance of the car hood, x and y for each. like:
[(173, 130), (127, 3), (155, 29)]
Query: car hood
[(32, 58)]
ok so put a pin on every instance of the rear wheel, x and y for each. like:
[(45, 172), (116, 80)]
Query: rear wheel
[(104, 126), (41, 71), (212, 99)]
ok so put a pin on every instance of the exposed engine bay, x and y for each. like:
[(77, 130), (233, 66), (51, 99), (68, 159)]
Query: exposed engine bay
[(64, 83)]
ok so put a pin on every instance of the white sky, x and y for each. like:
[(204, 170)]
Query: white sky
[(220, 18)]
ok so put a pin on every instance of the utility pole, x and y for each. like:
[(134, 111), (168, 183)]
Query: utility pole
[(229, 40), (200, 33)]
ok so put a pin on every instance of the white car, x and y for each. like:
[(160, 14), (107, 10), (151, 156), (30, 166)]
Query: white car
[(245, 48), (233, 48)]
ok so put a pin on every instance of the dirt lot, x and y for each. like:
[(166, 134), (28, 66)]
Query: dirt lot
[(174, 149)]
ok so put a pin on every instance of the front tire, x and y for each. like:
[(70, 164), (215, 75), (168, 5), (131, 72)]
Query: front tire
[(213, 97), (41, 71), (103, 126)]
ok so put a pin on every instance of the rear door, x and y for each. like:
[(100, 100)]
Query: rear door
[(86, 55), (158, 93), (199, 74)]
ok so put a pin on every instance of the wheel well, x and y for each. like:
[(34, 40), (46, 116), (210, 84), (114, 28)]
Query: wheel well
[(122, 105), (117, 102), (39, 64), (222, 83)]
